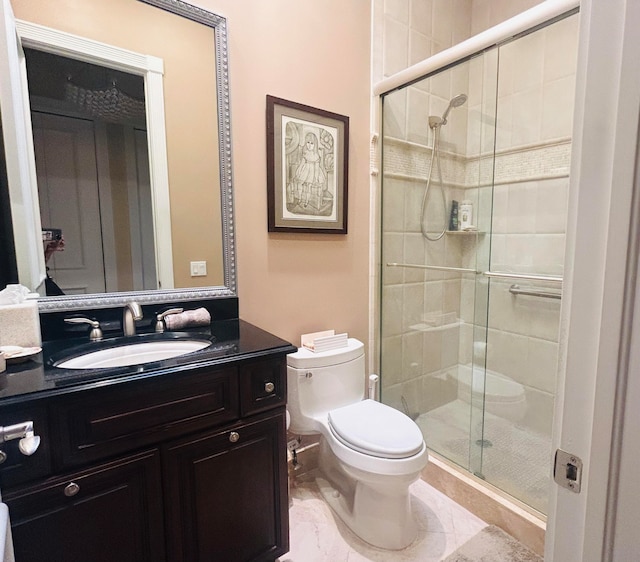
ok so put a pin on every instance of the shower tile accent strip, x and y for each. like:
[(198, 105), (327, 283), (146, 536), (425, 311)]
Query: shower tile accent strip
[(410, 160), (548, 160)]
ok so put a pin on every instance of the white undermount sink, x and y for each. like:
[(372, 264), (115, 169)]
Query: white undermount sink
[(133, 354)]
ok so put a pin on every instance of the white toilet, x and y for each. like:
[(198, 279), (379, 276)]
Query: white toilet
[(369, 452)]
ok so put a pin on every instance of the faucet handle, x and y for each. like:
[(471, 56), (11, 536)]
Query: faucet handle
[(96, 332), (160, 326)]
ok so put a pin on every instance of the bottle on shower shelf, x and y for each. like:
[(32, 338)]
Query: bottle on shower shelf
[(453, 217), (466, 215)]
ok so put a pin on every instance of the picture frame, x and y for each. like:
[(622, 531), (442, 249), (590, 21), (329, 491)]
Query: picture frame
[(307, 168)]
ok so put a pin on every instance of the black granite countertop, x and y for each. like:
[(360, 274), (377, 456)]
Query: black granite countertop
[(232, 340)]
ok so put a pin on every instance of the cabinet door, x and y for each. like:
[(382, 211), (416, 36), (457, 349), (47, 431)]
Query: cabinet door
[(110, 513), (226, 494)]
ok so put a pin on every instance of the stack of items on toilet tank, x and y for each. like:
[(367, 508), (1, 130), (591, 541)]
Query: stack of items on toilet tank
[(324, 341)]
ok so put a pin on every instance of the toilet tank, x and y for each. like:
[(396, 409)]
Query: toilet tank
[(320, 382)]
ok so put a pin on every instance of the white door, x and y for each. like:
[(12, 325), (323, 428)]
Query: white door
[(18, 143), (597, 415), (69, 200)]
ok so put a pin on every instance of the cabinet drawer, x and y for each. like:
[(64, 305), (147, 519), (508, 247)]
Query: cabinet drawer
[(19, 468), (263, 385), (108, 513), (105, 422)]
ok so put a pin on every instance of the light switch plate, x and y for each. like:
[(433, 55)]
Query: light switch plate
[(198, 268)]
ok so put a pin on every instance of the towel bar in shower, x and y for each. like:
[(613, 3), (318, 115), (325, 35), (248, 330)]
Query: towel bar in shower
[(534, 292), (522, 276), (432, 267)]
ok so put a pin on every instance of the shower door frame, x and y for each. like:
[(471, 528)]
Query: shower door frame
[(582, 526), (541, 16), (599, 391)]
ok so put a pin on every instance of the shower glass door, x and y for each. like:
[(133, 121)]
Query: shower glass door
[(469, 318), (438, 148)]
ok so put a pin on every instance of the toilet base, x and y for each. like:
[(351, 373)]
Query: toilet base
[(376, 508)]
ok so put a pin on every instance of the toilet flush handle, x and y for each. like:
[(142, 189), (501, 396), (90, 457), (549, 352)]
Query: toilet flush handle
[(373, 386)]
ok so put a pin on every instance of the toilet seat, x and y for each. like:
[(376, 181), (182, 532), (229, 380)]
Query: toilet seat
[(375, 429)]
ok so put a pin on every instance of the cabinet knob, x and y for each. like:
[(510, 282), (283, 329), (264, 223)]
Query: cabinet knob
[(234, 436), (269, 387), (71, 489)]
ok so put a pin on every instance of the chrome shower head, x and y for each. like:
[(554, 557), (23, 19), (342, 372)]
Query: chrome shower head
[(456, 101)]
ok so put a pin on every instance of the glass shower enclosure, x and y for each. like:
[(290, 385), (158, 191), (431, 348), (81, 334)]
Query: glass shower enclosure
[(474, 204)]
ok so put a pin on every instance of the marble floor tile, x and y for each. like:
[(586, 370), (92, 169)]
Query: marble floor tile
[(317, 535)]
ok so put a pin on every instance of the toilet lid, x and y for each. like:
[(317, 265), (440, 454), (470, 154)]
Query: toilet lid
[(376, 429)]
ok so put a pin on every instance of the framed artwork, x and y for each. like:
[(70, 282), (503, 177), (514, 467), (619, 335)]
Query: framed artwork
[(307, 168)]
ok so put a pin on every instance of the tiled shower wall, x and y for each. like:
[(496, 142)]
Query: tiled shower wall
[(409, 31), (534, 110)]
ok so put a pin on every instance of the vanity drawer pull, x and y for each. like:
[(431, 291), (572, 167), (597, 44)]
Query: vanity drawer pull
[(269, 387), (71, 489), (234, 436)]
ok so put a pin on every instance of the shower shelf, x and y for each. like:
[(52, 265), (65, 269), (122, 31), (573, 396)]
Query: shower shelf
[(423, 327), (464, 232)]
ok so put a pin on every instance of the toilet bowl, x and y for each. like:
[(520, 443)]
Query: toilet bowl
[(370, 453)]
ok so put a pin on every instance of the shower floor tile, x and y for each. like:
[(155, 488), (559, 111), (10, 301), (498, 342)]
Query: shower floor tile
[(317, 535), (517, 460)]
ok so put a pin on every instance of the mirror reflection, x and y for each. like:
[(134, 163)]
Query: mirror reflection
[(122, 238), (94, 191)]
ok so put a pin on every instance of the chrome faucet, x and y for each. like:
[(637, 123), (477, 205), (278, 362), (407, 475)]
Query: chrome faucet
[(132, 312)]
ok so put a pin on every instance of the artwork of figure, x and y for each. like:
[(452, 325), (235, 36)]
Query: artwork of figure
[(310, 177), (309, 174)]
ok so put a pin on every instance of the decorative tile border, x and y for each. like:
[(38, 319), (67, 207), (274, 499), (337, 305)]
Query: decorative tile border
[(410, 161)]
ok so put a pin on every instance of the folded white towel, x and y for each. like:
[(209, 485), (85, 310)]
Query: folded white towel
[(188, 318)]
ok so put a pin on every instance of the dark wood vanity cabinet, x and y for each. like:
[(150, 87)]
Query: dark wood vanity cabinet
[(189, 466), (234, 483)]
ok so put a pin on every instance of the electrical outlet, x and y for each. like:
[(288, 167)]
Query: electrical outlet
[(198, 268)]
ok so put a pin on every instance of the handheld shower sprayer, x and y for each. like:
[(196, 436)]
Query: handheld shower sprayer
[(435, 123), (456, 101)]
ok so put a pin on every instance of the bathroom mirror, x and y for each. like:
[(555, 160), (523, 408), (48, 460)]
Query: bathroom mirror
[(198, 170)]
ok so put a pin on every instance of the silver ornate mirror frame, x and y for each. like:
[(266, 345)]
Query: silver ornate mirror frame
[(107, 300)]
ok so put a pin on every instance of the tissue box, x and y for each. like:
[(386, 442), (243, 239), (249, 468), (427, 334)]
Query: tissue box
[(20, 324)]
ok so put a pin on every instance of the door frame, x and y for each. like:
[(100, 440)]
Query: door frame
[(597, 310), (20, 157)]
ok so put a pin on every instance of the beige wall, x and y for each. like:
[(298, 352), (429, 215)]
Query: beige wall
[(316, 53)]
